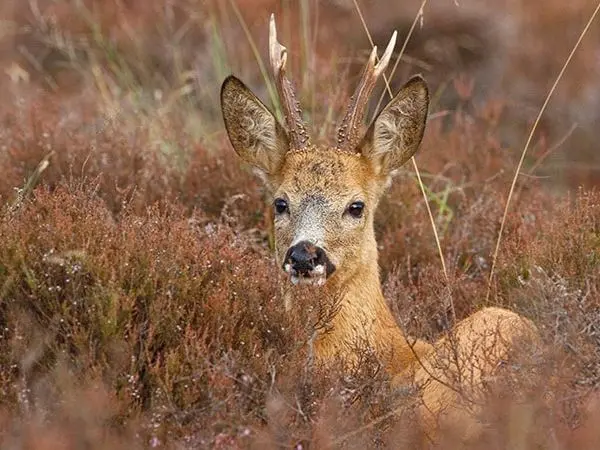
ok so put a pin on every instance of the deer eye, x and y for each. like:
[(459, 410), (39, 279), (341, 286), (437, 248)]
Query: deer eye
[(356, 209), (281, 206)]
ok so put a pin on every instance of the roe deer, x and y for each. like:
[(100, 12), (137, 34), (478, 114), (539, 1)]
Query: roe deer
[(324, 200)]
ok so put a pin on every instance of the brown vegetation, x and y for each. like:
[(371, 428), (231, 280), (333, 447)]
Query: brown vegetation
[(139, 302)]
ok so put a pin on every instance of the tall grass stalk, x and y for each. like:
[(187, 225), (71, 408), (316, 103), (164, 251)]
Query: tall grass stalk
[(259, 61), (414, 162), (529, 139)]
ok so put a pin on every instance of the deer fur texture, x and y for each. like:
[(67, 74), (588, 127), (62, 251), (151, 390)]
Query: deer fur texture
[(325, 198)]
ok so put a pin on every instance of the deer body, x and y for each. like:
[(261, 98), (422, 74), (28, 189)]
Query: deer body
[(324, 200)]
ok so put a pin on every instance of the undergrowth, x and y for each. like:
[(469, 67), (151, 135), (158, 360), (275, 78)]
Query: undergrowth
[(140, 305)]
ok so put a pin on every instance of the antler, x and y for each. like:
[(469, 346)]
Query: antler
[(348, 131), (291, 108)]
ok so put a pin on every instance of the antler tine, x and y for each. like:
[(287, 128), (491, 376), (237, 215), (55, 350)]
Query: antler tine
[(291, 108), (347, 135), (387, 55)]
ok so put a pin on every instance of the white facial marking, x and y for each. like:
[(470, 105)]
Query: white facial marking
[(319, 270), (309, 227), (310, 224), (308, 281), (317, 276)]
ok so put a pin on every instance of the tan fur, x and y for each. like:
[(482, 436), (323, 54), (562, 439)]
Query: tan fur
[(318, 183)]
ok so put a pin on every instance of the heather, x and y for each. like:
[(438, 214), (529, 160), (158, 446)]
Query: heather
[(140, 305)]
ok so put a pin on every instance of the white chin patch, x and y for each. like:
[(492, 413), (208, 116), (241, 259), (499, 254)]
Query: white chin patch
[(316, 277), (310, 281)]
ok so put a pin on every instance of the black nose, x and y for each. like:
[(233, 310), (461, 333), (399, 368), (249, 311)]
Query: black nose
[(305, 256)]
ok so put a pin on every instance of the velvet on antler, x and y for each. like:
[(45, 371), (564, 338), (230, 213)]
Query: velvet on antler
[(349, 130), (297, 133)]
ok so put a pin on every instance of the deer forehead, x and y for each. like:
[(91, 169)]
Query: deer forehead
[(327, 173)]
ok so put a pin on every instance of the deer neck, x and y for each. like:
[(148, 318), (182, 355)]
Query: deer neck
[(362, 321)]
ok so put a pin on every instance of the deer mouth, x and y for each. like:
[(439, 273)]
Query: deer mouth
[(307, 263), (316, 276)]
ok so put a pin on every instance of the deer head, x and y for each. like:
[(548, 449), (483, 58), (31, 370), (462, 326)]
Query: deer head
[(325, 197)]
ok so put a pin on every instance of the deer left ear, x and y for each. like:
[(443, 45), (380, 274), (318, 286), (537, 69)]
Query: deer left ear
[(253, 130), (395, 135)]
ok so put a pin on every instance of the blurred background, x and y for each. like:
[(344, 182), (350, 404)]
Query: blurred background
[(166, 58)]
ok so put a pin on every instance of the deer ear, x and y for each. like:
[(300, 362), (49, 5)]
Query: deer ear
[(394, 136), (253, 130)]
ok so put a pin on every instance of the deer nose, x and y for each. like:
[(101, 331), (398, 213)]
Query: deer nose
[(305, 257)]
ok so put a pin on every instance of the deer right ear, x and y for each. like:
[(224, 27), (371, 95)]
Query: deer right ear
[(254, 132), (396, 133)]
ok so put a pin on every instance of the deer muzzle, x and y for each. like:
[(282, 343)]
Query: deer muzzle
[(307, 263)]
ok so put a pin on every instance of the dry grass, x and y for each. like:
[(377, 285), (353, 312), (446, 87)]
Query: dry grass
[(139, 303)]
